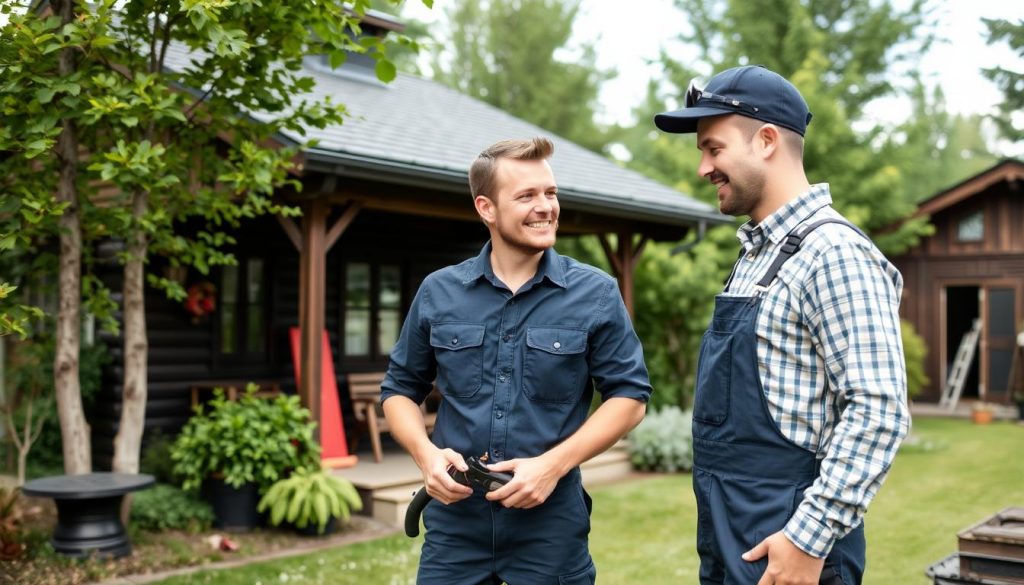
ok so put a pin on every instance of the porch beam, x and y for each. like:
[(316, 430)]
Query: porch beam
[(312, 294), (350, 213), (292, 231), (623, 259)]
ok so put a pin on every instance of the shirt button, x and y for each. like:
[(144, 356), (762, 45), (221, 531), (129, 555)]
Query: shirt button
[(556, 345), (455, 340), (506, 338), (497, 453), (501, 377), (750, 256), (498, 414)]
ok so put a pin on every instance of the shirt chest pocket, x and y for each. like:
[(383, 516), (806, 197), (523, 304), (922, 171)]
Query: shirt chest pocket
[(458, 349), (555, 364)]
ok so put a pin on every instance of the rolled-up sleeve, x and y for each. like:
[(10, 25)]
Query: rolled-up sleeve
[(615, 356), (412, 367)]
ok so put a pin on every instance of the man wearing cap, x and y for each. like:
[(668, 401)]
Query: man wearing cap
[(519, 338), (801, 385)]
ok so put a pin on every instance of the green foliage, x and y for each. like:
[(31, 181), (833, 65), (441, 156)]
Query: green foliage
[(310, 496), (167, 507), (914, 352), (248, 440), (177, 109), (674, 301), (1009, 81), (156, 458), (504, 53), (662, 441), (30, 365)]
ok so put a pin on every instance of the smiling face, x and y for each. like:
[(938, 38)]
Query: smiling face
[(729, 161), (522, 214)]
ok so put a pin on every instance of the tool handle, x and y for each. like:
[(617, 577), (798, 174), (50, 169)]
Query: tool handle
[(414, 511)]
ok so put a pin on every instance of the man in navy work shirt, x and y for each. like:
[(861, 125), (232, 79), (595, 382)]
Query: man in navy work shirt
[(517, 340), (801, 385)]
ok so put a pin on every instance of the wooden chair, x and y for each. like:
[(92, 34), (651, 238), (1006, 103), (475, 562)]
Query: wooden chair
[(364, 390)]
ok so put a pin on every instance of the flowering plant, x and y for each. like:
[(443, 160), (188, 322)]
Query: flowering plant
[(201, 299)]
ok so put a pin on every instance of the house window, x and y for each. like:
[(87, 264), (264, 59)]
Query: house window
[(243, 309), (971, 228), (373, 309)]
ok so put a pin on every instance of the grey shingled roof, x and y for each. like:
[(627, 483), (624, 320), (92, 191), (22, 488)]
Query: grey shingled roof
[(425, 126), (421, 130)]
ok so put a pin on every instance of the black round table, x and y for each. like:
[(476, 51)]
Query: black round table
[(89, 511)]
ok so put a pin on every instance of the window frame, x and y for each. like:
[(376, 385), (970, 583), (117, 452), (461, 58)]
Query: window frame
[(374, 357), (242, 355), (963, 218)]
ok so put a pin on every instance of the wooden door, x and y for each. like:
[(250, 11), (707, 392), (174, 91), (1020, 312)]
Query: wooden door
[(999, 337)]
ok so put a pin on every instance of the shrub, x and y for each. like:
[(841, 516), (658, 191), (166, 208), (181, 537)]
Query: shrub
[(249, 440), (662, 441), (156, 458), (914, 352), (166, 507)]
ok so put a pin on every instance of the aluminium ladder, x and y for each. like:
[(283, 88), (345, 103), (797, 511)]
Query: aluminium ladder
[(961, 366)]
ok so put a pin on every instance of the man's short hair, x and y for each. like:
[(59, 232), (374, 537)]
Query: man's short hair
[(483, 170)]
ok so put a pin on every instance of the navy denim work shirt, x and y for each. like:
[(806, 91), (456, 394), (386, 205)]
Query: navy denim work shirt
[(515, 370)]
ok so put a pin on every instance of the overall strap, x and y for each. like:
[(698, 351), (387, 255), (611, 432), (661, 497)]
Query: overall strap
[(732, 273), (792, 243)]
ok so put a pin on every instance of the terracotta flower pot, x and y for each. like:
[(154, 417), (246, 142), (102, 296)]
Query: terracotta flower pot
[(981, 415)]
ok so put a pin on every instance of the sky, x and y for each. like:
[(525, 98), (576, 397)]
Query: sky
[(623, 43)]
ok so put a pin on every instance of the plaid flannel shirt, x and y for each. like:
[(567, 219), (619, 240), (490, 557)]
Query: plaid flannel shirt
[(830, 358)]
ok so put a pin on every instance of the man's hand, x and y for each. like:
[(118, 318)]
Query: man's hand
[(438, 482), (787, 564), (535, 479)]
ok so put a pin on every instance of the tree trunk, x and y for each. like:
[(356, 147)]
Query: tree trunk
[(74, 429), (128, 442)]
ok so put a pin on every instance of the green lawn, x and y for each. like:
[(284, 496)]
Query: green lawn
[(643, 531)]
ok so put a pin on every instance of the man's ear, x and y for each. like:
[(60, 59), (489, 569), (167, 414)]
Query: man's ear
[(485, 208), (768, 139)]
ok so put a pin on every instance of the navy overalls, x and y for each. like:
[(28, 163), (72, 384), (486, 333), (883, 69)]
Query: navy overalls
[(748, 478)]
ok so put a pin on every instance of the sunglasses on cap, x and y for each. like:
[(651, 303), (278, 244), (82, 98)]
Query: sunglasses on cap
[(695, 94)]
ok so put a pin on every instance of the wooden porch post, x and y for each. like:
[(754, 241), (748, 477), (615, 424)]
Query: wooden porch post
[(623, 260), (313, 241), (312, 287)]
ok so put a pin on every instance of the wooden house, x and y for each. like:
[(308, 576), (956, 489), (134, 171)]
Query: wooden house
[(972, 268), (385, 202)]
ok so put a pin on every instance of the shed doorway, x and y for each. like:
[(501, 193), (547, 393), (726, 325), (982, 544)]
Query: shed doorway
[(963, 306)]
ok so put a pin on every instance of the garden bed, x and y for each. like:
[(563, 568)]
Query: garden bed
[(158, 552)]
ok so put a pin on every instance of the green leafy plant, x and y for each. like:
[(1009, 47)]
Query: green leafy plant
[(251, 440), (156, 458), (662, 441), (914, 352), (167, 507), (310, 496)]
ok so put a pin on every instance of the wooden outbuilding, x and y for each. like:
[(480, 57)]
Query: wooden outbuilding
[(972, 268)]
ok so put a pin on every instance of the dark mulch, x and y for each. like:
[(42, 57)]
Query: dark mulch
[(152, 552)]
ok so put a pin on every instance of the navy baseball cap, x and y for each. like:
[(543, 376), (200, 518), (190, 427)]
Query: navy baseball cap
[(753, 91)]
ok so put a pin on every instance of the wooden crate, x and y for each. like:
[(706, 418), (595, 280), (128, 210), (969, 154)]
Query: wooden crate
[(994, 548)]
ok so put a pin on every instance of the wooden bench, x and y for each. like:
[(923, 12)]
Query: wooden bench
[(364, 390)]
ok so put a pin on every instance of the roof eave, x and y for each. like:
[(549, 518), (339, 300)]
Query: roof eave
[(455, 181)]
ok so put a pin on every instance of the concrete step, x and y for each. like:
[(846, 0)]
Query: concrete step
[(389, 503)]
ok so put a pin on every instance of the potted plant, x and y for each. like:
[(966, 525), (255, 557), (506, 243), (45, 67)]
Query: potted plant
[(982, 412), (235, 450), (311, 498)]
